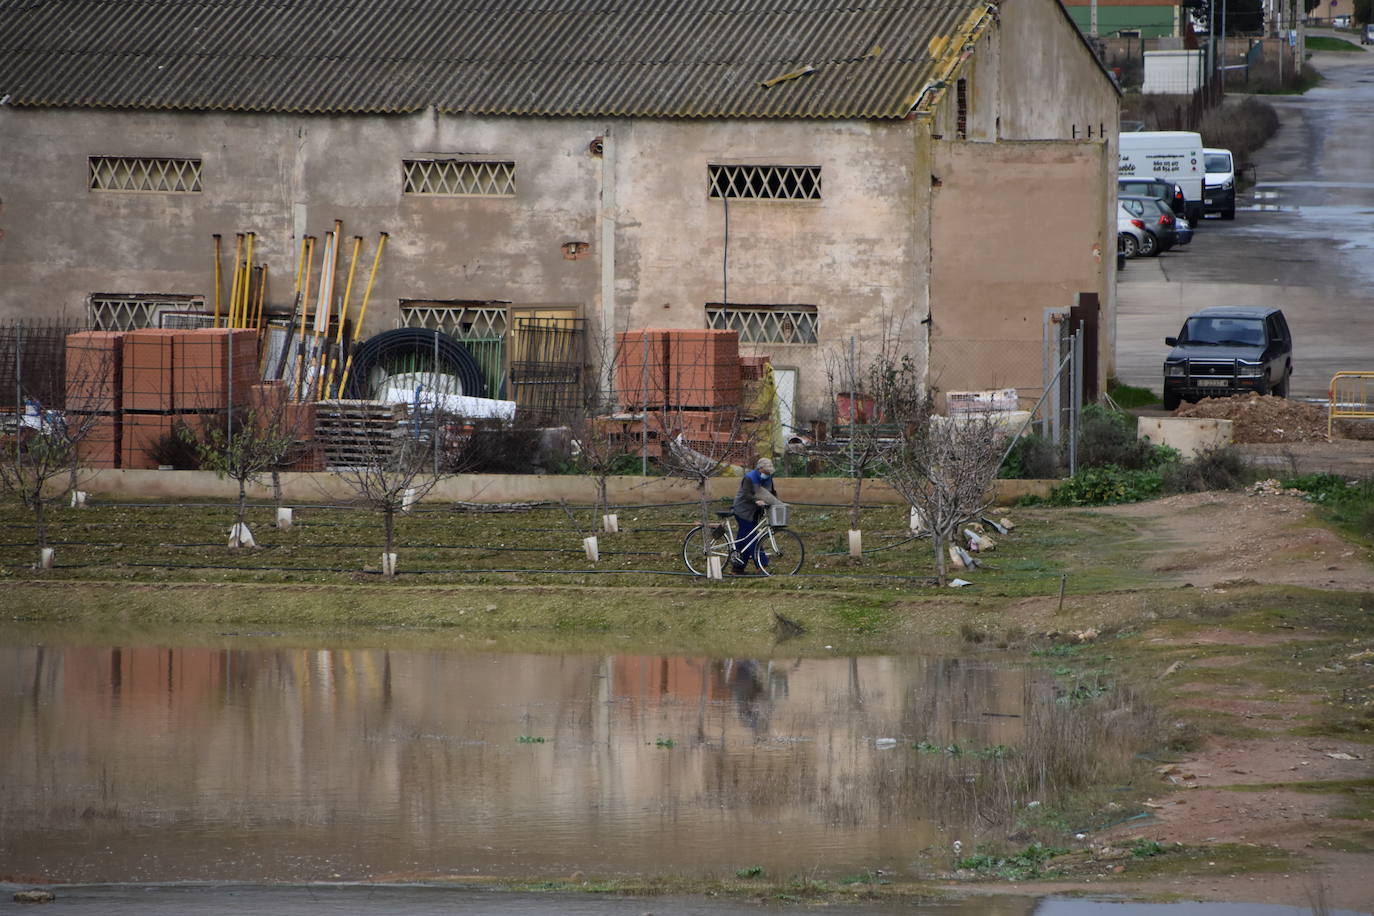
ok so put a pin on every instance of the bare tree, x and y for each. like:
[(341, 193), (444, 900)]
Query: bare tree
[(860, 448), (401, 462), (599, 443), (41, 458), (943, 466), (700, 458), (248, 445), (40, 464)]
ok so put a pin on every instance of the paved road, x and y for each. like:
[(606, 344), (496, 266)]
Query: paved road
[(1303, 240)]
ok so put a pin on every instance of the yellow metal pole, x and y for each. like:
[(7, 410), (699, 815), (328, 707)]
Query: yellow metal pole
[(300, 266), (262, 296), (242, 316), (234, 281), (362, 310), (327, 268), (337, 355), (305, 310), (219, 274)]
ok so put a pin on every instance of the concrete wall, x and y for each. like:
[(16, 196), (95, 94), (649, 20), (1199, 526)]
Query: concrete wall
[(506, 488), (1053, 87), (995, 268), (855, 254)]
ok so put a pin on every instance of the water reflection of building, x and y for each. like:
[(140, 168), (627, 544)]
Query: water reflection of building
[(444, 760)]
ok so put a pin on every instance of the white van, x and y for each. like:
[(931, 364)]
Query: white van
[(1173, 155), (1219, 182)]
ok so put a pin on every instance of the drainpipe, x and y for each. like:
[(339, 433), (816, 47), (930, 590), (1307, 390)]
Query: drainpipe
[(608, 215)]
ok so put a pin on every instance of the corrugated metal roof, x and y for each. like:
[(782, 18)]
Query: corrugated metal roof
[(648, 58)]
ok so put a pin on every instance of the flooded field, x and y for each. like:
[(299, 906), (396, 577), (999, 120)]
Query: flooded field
[(236, 762)]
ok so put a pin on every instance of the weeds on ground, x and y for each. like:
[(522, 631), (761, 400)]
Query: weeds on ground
[(1018, 866), (1128, 397), (1347, 503), (1323, 43)]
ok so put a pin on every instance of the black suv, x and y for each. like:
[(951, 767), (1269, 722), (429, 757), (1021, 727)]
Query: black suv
[(1223, 351), (1167, 191)]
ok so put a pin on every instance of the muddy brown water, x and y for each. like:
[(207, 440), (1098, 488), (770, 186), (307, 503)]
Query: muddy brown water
[(136, 763)]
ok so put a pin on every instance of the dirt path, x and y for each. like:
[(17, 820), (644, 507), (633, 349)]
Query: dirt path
[(1208, 539), (1218, 543)]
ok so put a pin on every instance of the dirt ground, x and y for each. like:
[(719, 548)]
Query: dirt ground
[(1259, 535), (1216, 541)]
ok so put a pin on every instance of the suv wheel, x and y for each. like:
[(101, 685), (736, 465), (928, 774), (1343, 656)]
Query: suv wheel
[(1281, 389), (1171, 401)]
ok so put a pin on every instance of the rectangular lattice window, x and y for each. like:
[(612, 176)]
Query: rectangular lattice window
[(764, 182), (961, 109), (122, 312), (461, 318), (766, 324), (138, 173), (457, 178)]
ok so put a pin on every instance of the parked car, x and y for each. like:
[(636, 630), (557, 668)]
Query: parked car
[(1185, 230), (1226, 350), (1133, 239), (1219, 182), (1158, 218), (1368, 37), (1168, 191)]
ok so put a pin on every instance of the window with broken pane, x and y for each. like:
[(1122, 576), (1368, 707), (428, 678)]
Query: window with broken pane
[(138, 173), (764, 182), (766, 324), (457, 178)]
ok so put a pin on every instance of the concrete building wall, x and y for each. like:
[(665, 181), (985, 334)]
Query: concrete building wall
[(1053, 87), (1001, 258), (855, 254), (858, 254), (282, 177)]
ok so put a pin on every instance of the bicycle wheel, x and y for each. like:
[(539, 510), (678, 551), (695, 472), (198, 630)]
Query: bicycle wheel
[(695, 552), (785, 551)]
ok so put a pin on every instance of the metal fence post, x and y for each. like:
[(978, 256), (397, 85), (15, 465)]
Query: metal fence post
[(644, 408)]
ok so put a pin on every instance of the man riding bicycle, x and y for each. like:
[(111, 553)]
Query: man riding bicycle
[(755, 494)]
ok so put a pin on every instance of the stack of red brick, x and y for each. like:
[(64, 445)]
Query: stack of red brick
[(139, 385), (688, 383)]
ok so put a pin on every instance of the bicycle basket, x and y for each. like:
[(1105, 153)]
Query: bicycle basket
[(777, 515)]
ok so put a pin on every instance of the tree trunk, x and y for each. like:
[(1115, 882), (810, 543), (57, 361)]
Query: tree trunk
[(603, 505), (705, 515), (854, 509), (242, 509), (940, 543), (276, 486), (40, 518), (389, 523)]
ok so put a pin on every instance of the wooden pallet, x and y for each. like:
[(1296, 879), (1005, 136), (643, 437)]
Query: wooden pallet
[(356, 432)]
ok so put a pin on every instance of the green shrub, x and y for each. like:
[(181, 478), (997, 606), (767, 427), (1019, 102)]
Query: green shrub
[(1107, 437), (1104, 485), (1033, 457), (175, 449), (1349, 503), (1213, 469)]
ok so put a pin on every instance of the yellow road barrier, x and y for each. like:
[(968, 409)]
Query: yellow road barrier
[(1351, 394)]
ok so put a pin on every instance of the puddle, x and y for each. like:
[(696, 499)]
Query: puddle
[(266, 764)]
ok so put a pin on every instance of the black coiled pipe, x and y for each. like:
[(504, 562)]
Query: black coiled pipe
[(453, 358)]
